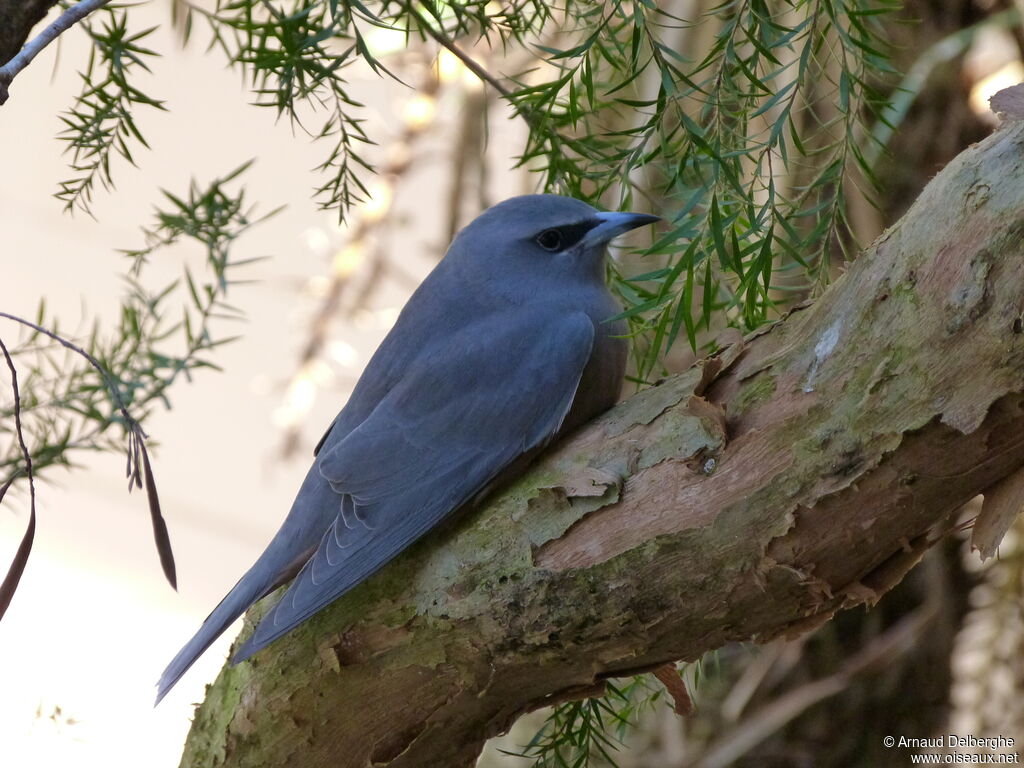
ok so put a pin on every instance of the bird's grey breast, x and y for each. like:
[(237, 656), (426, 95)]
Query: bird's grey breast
[(601, 383)]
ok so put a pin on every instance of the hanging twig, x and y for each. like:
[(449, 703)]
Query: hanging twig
[(138, 471), (13, 577)]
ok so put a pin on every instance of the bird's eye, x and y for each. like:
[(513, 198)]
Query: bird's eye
[(550, 240)]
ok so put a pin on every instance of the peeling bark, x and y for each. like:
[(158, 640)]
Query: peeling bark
[(801, 472)]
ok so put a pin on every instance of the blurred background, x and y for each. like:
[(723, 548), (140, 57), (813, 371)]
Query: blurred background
[(94, 621)]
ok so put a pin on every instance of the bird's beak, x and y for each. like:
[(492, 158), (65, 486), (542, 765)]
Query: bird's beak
[(613, 224)]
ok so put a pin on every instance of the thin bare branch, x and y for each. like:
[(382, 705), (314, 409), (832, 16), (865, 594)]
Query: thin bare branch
[(470, 63), (61, 24)]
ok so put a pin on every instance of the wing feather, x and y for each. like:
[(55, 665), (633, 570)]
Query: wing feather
[(450, 425)]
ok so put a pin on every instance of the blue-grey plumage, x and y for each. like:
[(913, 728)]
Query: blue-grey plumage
[(505, 346)]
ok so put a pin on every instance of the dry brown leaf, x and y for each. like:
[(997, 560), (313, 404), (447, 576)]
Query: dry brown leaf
[(667, 674)]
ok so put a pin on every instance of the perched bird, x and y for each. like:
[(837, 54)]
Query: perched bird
[(503, 347)]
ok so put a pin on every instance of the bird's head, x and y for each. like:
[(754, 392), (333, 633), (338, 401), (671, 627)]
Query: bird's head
[(545, 235)]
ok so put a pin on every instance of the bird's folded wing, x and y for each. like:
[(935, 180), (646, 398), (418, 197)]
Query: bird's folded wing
[(456, 418)]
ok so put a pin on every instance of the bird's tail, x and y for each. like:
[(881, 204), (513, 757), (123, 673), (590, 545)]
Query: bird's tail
[(314, 509), (246, 592)]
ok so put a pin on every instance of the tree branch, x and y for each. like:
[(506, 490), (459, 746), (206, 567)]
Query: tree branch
[(62, 23), (750, 498), (17, 18)]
